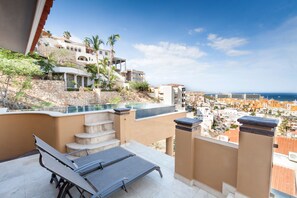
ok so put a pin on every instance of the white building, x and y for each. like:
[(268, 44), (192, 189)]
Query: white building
[(206, 116), (172, 94), (78, 77)]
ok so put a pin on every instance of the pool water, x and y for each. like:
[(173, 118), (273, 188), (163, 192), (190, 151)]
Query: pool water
[(142, 109), (87, 108)]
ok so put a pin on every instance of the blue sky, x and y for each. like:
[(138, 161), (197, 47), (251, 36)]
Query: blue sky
[(212, 46)]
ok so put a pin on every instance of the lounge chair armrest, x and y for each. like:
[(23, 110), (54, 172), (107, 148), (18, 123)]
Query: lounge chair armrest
[(78, 151), (86, 168), (120, 181)]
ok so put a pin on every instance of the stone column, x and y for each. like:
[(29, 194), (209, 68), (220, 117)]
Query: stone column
[(255, 156), (185, 131), (75, 80), (83, 81), (169, 146), (65, 80), (120, 117)]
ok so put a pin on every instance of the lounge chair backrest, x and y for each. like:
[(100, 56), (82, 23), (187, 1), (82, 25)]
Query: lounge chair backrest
[(64, 172), (53, 152)]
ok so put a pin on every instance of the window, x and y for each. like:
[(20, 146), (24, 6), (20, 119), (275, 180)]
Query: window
[(79, 49), (100, 52), (71, 48), (106, 53), (75, 49), (67, 47)]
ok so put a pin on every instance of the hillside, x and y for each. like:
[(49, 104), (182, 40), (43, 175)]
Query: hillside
[(46, 93)]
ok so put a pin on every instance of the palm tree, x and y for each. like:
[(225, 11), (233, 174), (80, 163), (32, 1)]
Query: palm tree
[(49, 33), (87, 42), (95, 43), (67, 35), (111, 42)]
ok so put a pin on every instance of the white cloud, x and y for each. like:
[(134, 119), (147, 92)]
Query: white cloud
[(196, 30), (168, 62), (227, 45)]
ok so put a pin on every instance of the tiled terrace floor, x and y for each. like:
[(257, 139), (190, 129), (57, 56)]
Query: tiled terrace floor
[(26, 178)]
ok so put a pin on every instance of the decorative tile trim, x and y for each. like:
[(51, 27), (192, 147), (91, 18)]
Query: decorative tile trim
[(187, 121), (258, 121), (257, 131), (188, 129), (121, 111)]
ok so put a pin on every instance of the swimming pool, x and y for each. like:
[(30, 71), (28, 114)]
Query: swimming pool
[(142, 109)]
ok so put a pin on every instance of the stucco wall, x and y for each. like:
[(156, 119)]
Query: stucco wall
[(147, 130), (16, 132), (215, 163)]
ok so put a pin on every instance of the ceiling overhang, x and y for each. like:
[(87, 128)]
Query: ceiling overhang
[(21, 23)]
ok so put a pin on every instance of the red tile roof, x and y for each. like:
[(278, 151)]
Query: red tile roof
[(285, 145), (45, 13), (283, 179), (233, 135)]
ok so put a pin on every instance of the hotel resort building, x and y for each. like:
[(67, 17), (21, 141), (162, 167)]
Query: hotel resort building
[(79, 55), (172, 94)]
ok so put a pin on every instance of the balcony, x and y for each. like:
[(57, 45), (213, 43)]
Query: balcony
[(201, 166), (23, 175)]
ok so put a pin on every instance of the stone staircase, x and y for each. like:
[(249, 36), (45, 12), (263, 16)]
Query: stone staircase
[(99, 134)]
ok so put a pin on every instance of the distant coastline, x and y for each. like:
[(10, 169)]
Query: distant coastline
[(280, 96), (269, 96)]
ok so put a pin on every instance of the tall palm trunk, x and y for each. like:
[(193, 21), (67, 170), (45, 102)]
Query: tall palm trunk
[(98, 70), (110, 64)]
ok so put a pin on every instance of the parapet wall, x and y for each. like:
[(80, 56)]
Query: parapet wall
[(220, 167)]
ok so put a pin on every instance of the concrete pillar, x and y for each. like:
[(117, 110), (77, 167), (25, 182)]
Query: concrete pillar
[(120, 117), (75, 80), (169, 146), (65, 80), (255, 156), (185, 131), (83, 81)]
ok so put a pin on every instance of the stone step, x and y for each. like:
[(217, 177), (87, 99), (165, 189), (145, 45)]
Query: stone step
[(94, 138), (95, 117), (96, 127), (92, 148)]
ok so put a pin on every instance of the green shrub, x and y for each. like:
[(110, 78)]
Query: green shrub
[(72, 89), (139, 86), (115, 100)]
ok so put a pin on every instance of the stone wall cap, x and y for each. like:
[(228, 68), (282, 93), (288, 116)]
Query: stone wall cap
[(121, 109), (258, 121), (187, 121)]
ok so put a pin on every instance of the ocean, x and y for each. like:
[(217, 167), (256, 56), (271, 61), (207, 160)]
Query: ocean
[(280, 96), (275, 96)]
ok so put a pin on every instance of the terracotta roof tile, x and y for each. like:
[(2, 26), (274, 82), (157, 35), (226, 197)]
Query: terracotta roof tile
[(286, 145), (233, 135), (283, 179), (45, 13)]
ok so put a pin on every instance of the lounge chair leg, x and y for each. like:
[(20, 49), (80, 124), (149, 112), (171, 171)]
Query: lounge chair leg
[(65, 190), (124, 186), (60, 183), (62, 190), (54, 178), (160, 172)]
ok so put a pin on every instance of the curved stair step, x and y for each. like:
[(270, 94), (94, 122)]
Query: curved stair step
[(99, 126), (92, 148), (94, 138)]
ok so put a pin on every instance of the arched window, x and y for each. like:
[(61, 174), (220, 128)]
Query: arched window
[(82, 58), (75, 49), (67, 47), (71, 48), (79, 49)]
